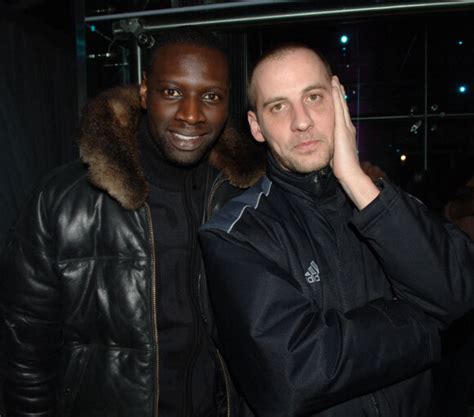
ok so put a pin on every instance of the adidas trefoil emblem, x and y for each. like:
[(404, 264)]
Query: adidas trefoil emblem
[(312, 274)]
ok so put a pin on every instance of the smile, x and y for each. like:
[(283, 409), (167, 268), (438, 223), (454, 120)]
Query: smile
[(185, 141), (180, 136)]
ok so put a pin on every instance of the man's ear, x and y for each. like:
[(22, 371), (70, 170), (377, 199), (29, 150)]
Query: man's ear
[(143, 92), (254, 126)]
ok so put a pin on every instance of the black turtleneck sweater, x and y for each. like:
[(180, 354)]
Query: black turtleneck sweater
[(176, 200)]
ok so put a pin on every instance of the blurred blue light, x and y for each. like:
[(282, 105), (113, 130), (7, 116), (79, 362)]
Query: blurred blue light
[(92, 28), (344, 39), (462, 89), (460, 42)]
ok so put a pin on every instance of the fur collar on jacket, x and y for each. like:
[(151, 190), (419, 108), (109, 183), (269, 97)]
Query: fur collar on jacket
[(108, 145)]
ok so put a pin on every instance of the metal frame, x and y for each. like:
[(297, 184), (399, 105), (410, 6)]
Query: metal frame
[(256, 12)]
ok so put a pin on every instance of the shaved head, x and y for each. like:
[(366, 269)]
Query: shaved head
[(277, 53)]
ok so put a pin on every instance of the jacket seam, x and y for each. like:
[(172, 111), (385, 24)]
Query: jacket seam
[(99, 258), (105, 347), (265, 193)]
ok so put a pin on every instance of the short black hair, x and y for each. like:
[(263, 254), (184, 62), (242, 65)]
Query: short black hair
[(277, 51), (190, 36)]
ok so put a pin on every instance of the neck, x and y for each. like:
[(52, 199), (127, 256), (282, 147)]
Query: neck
[(158, 170)]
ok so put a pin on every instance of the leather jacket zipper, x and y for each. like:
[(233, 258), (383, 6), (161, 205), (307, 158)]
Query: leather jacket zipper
[(375, 404), (154, 314), (201, 307), (218, 354), (226, 381), (217, 183)]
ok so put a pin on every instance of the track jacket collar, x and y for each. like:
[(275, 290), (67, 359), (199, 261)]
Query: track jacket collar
[(318, 185)]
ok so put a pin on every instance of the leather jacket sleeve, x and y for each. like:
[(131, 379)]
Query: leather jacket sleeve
[(288, 357), (31, 305), (430, 262)]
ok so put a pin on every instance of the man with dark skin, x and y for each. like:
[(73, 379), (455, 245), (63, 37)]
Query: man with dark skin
[(187, 96), (106, 310)]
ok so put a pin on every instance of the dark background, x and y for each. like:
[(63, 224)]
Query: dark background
[(402, 70)]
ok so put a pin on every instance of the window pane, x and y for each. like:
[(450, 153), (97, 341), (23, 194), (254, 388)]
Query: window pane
[(108, 60), (451, 65), (394, 145), (380, 63)]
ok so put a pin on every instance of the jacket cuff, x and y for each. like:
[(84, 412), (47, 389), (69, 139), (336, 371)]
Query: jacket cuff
[(379, 207)]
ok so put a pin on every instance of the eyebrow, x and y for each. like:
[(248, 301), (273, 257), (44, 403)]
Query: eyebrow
[(305, 90), (177, 83)]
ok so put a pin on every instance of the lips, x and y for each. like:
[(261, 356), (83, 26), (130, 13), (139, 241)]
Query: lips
[(307, 146), (188, 141)]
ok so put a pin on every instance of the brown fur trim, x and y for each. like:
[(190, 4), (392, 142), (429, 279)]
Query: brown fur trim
[(108, 145)]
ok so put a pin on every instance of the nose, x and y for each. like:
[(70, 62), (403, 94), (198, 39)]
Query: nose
[(301, 118), (190, 111)]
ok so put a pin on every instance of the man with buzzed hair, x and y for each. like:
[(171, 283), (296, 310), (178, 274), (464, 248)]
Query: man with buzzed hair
[(106, 309), (329, 290)]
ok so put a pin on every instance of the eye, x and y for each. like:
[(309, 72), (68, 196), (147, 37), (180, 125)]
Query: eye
[(314, 98), (211, 97), (277, 108), (171, 92)]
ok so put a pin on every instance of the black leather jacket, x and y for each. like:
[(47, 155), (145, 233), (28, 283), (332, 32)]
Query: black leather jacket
[(79, 293)]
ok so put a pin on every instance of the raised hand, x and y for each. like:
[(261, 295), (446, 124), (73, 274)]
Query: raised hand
[(345, 162)]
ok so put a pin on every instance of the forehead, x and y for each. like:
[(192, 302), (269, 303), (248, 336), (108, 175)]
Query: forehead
[(289, 72), (181, 60)]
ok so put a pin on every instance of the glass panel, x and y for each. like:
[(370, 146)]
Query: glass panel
[(108, 60), (450, 155), (395, 146), (451, 64), (380, 63)]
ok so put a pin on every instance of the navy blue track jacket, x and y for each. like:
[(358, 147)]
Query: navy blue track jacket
[(325, 311)]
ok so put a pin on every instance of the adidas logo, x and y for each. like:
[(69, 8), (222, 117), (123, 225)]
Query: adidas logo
[(312, 274)]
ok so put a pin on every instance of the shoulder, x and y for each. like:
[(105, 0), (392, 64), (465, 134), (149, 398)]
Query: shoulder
[(52, 196), (236, 210), (66, 182), (63, 179)]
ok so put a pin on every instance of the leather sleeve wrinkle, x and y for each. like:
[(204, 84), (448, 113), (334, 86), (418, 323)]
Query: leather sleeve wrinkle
[(290, 359), (31, 307), (23, 240)]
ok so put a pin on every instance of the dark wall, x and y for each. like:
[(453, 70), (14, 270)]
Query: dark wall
[(38, 108), (38, 112)]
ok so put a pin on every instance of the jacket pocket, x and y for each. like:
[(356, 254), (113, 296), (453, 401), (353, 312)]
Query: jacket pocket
[(75, 369)]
